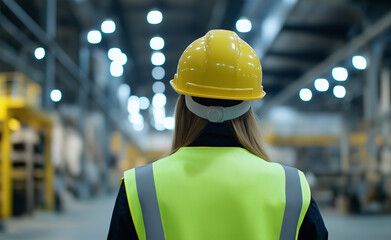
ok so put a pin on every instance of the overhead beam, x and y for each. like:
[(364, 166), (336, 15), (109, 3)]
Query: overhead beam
[(272, 25), (282, 73), (305, 56), (335, 58), (324, 30)]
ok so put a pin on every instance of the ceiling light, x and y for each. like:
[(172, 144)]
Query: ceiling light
[(158, 73), (136, 118), (133, 105), (159, 114), (339, 91), (340, 73), (137, 121), (169, 123), (108, 26), (116, 69), (158, 58), (122, 58), (114, 53), (359, 62), (138, 127), (154, 17), (243, 25), (156, 43), (123, 91), (94, 37), (158, 87), (321, 84), (159, 100), (305, 94), (144, 103), (159, 126), (39, 53), (55, 95)]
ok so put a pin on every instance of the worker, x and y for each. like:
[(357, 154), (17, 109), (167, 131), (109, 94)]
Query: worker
[(218, 182)]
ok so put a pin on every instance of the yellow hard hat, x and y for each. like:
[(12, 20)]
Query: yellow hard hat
[(219, 65)]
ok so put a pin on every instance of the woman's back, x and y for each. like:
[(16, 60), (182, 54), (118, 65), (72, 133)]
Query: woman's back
[(219, 193)]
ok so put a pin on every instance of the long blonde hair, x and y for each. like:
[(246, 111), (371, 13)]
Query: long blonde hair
[(188, 126)]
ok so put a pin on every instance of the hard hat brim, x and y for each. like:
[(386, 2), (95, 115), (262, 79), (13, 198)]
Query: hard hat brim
[(214, 95)]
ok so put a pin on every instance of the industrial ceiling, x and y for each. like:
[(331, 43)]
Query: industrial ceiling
[(292, 38)]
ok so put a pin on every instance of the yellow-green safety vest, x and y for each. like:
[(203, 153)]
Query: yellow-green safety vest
[(216, 193)]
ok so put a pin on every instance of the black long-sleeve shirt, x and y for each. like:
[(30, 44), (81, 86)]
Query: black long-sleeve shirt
[(213, 135)]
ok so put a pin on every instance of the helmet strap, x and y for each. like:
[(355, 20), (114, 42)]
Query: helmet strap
[(217, 114)]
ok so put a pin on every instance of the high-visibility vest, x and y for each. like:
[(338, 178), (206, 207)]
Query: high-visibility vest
[(216, 193)]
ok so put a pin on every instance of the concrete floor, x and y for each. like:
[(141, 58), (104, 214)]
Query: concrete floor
[(90, 220), (82, 220)]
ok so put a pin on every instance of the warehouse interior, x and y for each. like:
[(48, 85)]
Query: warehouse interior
[(85, 95)]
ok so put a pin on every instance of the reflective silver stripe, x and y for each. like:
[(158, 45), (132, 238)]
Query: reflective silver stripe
[(148, 201), (293, 203)]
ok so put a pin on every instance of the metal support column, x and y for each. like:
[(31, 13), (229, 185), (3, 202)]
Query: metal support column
[(50, 75), (385, 100), (83, 93), (49, 172), (344, 146), (371, 102)]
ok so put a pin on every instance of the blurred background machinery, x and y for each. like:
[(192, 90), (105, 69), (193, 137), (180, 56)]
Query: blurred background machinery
[(85, 94)]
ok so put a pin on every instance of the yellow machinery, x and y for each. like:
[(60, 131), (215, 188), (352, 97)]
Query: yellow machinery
[(19, 103)]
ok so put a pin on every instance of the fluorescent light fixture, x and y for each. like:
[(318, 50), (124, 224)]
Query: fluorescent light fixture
[(156, 43), (158, 87), (359, 62), (158, 58), (158, 73), (339, 73), (321, 84), (116, 69), (339, 91), (39, 53), (305, 94), (94, 37), (243, 25), (154, 17), (55, 95), (108, 26)]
